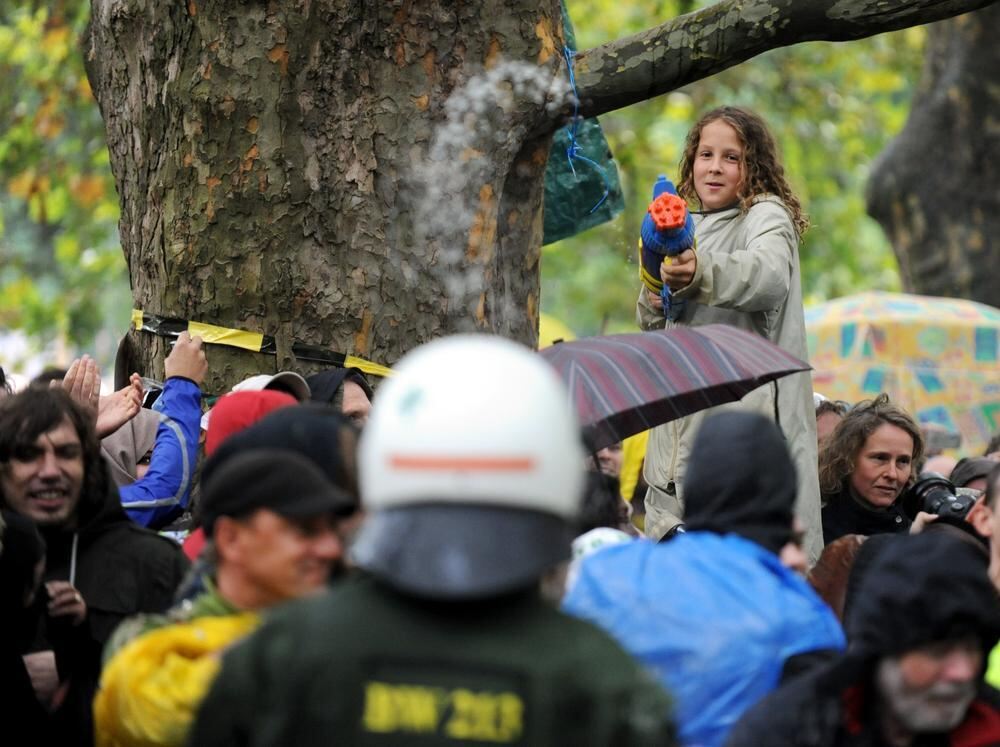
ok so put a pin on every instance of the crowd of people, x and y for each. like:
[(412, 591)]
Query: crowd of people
[(309, 561)]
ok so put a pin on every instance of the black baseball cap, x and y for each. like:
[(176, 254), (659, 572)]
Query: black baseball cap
[(279, 480)]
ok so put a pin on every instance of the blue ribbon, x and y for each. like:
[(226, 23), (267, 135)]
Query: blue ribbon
[(573, 151)]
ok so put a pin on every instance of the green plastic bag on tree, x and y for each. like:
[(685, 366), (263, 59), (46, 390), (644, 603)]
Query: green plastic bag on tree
[(570, 198)]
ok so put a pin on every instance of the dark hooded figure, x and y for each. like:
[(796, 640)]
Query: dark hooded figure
[(713, 612), (22, 559), (346, 390), (919, 626), (741, 480), (99, 566)]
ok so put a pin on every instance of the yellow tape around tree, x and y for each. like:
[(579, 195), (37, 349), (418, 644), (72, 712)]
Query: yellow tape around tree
[(255, 342)]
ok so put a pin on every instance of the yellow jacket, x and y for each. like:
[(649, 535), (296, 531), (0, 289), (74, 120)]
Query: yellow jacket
[(151, 689)]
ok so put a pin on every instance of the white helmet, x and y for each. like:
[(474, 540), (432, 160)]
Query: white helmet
[(472, 466)]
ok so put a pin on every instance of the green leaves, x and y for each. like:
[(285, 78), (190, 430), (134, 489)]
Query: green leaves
[(63, 271)]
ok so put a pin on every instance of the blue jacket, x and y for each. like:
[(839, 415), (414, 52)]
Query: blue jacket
[(714, 617), (165, 490)]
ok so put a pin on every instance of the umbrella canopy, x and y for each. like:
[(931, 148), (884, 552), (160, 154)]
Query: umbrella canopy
[(624, 384), (936, 357)]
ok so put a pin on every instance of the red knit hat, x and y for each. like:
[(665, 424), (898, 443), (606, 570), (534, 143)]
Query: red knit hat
[(238, 410)]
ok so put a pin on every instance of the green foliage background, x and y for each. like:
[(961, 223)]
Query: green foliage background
[(832, 107), (62, 273)]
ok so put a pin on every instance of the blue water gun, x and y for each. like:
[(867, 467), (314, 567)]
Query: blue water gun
[(667, 230)]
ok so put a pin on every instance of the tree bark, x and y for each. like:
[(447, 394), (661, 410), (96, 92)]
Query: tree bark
[(935, 188), (268, 158), (275, 160)]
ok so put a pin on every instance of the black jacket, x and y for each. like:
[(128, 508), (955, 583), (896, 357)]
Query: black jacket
[(21, 548), (921, 589), (844, 514), (120, 569)]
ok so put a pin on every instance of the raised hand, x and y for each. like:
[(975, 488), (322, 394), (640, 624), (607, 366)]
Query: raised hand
[(116, 409), (83, 383), (187, 359)]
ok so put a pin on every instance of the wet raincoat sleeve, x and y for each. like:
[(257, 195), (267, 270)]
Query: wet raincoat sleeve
[(756, 276), (163, 493)]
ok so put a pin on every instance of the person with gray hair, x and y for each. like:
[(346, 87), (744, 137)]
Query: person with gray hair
[(919, 627)]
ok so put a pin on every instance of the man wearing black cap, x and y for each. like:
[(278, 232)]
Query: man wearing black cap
[(924, 617), (271, 518), (445, 638), (712, 611), (271, 521)]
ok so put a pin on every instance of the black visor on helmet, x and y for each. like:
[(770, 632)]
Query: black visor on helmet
[(452, 552)]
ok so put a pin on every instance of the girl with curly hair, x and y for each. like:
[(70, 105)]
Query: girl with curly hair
[(744, 271), (865, 466)]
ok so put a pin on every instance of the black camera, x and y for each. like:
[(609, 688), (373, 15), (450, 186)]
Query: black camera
[(935, 494)]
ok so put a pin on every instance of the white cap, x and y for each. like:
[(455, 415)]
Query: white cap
[(283, 380)]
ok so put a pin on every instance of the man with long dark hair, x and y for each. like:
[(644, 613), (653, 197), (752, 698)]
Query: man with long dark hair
[(100, 566)]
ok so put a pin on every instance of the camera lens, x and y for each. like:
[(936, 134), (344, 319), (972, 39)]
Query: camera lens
[(937, 498), (934, 494)]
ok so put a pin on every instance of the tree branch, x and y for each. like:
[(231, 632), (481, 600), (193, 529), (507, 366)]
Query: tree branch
[(700, 44)]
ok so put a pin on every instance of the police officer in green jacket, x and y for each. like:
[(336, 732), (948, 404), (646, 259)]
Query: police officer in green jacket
[(471, 467)]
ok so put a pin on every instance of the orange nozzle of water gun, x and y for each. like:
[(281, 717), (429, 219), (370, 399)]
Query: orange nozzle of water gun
[(668, 212)]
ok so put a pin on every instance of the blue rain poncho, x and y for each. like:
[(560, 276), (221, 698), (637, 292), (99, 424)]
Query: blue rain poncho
[(715, 617)]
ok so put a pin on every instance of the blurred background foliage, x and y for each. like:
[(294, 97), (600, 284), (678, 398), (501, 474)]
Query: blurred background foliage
[(832, 108), (63, 280)]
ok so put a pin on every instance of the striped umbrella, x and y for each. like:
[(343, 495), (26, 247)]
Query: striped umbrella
[(623, 384)]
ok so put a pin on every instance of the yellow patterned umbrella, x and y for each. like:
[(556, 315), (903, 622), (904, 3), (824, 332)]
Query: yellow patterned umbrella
[(937, 357)]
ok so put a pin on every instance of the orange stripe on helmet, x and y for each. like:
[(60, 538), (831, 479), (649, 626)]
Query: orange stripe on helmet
[(430, 463)]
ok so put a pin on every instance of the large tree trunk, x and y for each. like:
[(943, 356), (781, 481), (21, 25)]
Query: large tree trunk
[(291, 168), (936, 189), (269, 159)]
